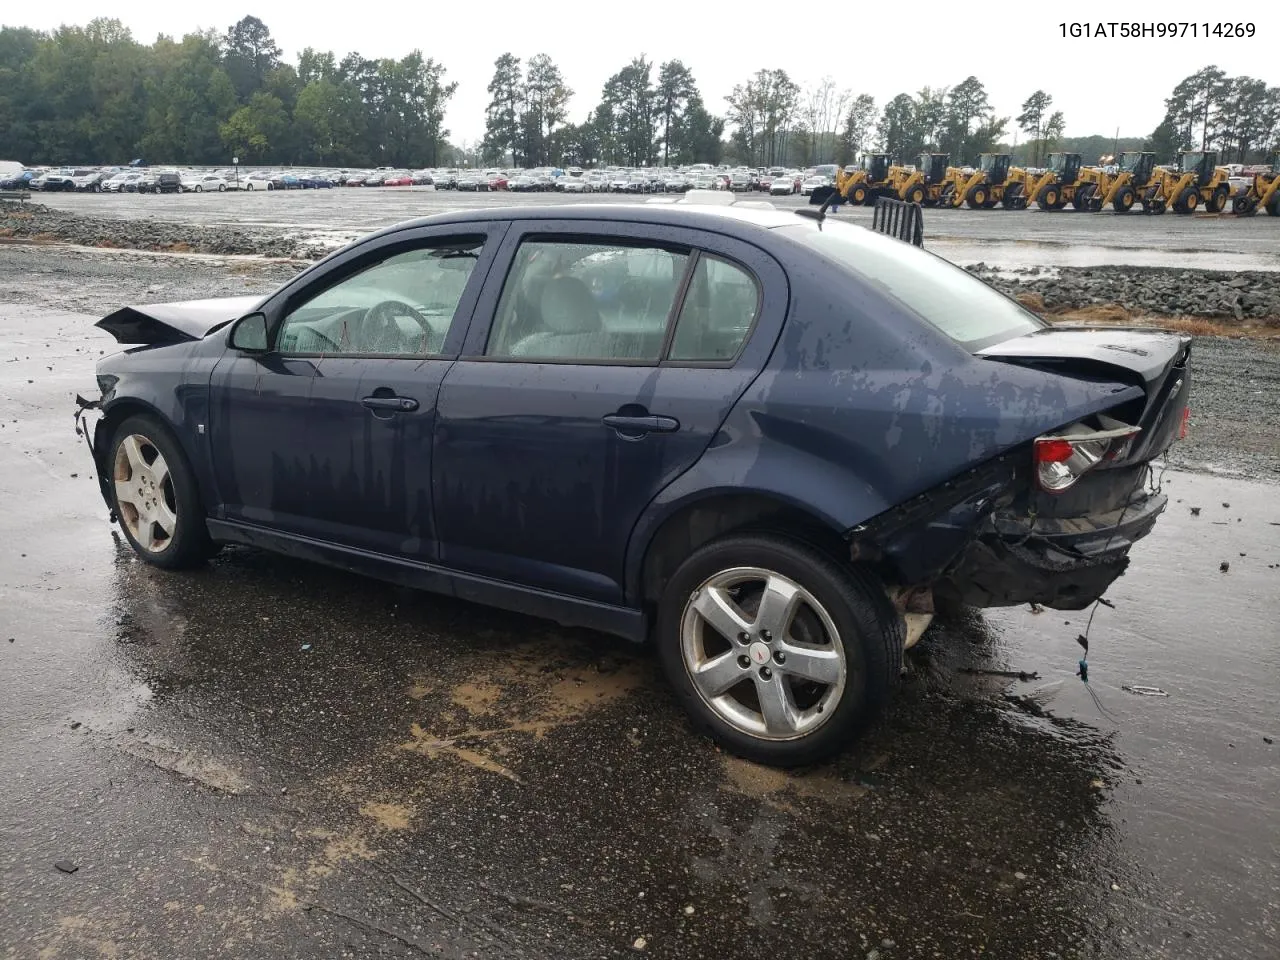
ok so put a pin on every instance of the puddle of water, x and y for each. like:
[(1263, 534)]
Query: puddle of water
[(1011, 255)]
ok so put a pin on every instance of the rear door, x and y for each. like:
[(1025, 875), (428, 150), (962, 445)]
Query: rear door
[(602, 360)]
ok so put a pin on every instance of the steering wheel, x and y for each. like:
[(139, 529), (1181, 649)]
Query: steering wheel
[(380, 321)]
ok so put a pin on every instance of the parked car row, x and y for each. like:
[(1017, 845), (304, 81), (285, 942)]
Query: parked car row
[(134, 178)]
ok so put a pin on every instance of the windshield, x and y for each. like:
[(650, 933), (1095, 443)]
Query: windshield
[(962, 307)]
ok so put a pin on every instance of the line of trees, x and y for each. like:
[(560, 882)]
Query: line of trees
[(1237, 116), (638, 121), (93, 94)]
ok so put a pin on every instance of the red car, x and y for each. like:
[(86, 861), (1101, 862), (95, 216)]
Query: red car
[(496, 181), (399, 180)]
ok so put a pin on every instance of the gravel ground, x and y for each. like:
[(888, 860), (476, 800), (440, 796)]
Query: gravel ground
[(1231, 296), (33, 221)]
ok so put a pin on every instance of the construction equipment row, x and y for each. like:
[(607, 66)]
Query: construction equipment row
[(1197, 182)]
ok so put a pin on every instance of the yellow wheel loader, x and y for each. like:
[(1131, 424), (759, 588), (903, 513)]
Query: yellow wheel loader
[(1061, 183), (1198, 181), (924, 184), (1134, 180), (859, 184), (1263, 194), (988, 185)]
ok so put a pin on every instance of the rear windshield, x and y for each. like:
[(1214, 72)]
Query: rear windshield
[(962, 307)]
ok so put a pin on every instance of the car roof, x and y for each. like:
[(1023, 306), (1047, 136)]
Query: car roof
[(737, 218)]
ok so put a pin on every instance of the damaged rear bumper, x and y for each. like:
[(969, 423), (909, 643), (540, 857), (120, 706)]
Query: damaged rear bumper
[(1062, 562)]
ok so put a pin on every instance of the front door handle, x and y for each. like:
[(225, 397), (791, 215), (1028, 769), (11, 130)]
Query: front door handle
[(403, 404), (641, 424)]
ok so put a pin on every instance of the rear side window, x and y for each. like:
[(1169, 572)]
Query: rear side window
[(717, 313), (961, 306), (587, 301)]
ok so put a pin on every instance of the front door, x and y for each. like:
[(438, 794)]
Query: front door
[(599, 366), (329, 435)]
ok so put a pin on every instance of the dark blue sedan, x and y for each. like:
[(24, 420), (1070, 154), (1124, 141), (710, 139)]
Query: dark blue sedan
[(772, 445)]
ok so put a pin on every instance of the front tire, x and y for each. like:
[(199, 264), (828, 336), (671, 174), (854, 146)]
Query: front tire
[(776, 651), (154, 495)]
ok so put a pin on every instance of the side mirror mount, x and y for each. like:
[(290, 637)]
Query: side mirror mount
[(250, 333)]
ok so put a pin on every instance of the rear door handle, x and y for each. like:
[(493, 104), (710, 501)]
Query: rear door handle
[(643, 424), (405, 404)]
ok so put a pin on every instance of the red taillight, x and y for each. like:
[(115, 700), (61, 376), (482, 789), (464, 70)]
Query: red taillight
[(1053, 451), (1185, 426)]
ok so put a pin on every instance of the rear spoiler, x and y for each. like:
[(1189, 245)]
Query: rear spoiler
[(165, 323)]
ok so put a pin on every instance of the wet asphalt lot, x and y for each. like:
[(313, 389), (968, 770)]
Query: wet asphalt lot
[(270, 759)]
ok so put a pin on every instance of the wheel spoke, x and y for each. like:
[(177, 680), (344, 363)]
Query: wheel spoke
[(165, 518), (127, 492), (133, 452), (715, 607), (821, 665), (717, 676), (780, 714), (146, 533), (778, 606), (159, 471)]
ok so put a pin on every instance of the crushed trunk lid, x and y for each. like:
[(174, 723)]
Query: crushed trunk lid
[(1156, 360), (160, 323), (1144, 353)]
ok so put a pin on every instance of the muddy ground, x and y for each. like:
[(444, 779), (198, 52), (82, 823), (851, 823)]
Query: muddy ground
[(270, 759)]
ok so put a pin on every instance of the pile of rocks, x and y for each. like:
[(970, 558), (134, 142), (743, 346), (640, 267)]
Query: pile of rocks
[(1244, 297), (33, 221)]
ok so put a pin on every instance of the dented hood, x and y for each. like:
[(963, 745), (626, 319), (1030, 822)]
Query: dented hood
[(174, 322)]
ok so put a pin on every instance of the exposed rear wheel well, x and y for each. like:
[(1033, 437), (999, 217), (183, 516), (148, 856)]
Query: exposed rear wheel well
[(690, 527)]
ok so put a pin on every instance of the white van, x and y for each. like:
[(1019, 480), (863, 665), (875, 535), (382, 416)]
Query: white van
[(10, 168)]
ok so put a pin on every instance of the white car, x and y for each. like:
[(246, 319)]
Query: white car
[(573, 185), (783, 185), (202, 183), (125, 182), (807, 188)]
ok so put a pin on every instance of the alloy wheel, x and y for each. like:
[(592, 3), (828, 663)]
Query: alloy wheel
[(763, 653), (144, 492)]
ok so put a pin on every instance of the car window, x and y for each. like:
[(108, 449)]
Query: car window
[(586, 301), (402, 305), (717, 313), (961, 306)]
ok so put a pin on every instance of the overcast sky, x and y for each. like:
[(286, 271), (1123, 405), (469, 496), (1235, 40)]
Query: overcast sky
[(1099, 84)]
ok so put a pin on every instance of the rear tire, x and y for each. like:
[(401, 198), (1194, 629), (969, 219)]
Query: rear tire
[(838, 624), (858, 195), (915, 194), (1218, 202), (977, 198), (1123, 201), (154, 495), (1187, 201), (1048, 199)]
